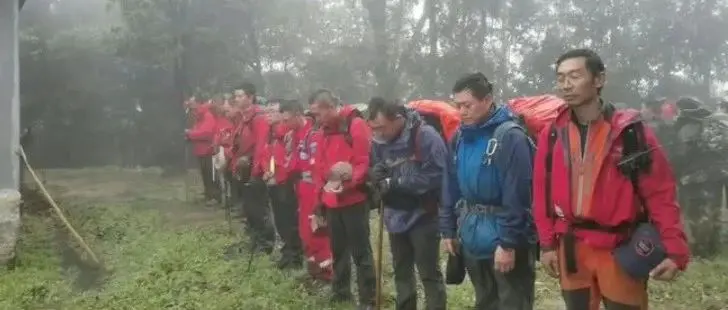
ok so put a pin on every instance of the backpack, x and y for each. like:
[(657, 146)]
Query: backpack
[(535, 113), (438, 114)]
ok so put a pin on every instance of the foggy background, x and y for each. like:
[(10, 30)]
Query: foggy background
[(86, 65)]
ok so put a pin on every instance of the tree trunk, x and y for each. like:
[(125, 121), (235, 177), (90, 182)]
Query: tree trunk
[(430, 79), (386, 84), (252, 41)]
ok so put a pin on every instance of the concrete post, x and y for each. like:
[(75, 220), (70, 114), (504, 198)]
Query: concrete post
[(9, 130)]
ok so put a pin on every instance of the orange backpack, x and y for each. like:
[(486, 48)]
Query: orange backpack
[(536, 112), (438, 114)]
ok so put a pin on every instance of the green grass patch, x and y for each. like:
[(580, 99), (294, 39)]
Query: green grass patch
[(161, 252)]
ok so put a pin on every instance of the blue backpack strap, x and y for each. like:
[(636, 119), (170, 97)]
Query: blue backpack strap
[(454, 144)]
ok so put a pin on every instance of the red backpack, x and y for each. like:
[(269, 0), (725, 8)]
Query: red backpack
[(536, 112)]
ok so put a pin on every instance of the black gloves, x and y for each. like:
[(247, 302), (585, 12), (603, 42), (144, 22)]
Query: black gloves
[(385, 185), (379, 172)]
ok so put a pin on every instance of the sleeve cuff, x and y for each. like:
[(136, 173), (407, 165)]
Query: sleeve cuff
[(681, 261), (448, 234), (545, 247)]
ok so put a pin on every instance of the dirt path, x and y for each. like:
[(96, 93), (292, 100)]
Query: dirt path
[(139, 188)]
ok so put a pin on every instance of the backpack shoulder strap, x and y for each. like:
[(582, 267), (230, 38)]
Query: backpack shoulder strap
[(414, 141), (497, 139), (552, 137), (455, 143), (346, 127), (637, 159)]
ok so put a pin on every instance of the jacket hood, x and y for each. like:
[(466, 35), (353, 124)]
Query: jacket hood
[(618, 118), (499, 115), (279, 130), (412, 119), (347, 110)]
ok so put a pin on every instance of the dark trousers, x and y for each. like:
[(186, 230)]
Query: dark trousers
[(285, 216), (211, 190), (504, 291), (254, 199), (419, 246), (350, 239)]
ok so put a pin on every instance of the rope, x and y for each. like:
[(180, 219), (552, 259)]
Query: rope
[(57, 209)]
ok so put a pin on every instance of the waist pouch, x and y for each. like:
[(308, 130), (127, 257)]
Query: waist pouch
[(637, 256), (405, 201), (642, 252), (478, 229), (455, 270)]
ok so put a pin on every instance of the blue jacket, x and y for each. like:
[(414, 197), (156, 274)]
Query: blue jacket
[(412, 180), (505, 184)]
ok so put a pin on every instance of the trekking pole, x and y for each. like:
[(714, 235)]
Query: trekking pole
[(380, 248), (253, 248), (226, 195)]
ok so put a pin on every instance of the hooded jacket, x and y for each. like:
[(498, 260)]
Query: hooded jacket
[(252, 135), (411, 181), (203, 131), (280, 150), (302, 159), (505, 184), (334, 146), (603, 194)]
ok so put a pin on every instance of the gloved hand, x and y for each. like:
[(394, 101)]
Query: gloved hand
[(379, 172), (385, 185), (341, 171)]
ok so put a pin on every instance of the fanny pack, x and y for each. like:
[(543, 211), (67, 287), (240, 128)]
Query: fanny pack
[(478, 229)]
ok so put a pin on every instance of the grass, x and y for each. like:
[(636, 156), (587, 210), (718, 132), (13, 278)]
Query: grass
[(160, 252)]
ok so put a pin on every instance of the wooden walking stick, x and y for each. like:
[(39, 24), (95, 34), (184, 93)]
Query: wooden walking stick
[(380, 250), (57, 209)]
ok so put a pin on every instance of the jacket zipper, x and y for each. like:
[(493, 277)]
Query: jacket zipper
[(580, 191)]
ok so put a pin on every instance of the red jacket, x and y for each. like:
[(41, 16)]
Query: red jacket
[(251, 139), (203, 131), (223, 130), (612, 200), (280, 149), (333, 147), (302, 139)]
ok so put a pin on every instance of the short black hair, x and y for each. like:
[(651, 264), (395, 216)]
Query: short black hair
[(476, 83), (324, 95), (246, 87), (391, 109), (291, 106), (594, 63)]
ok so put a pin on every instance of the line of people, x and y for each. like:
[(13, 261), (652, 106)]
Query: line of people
[(592, 195)]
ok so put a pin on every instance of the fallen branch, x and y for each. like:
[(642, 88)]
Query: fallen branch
[(57, 209)]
